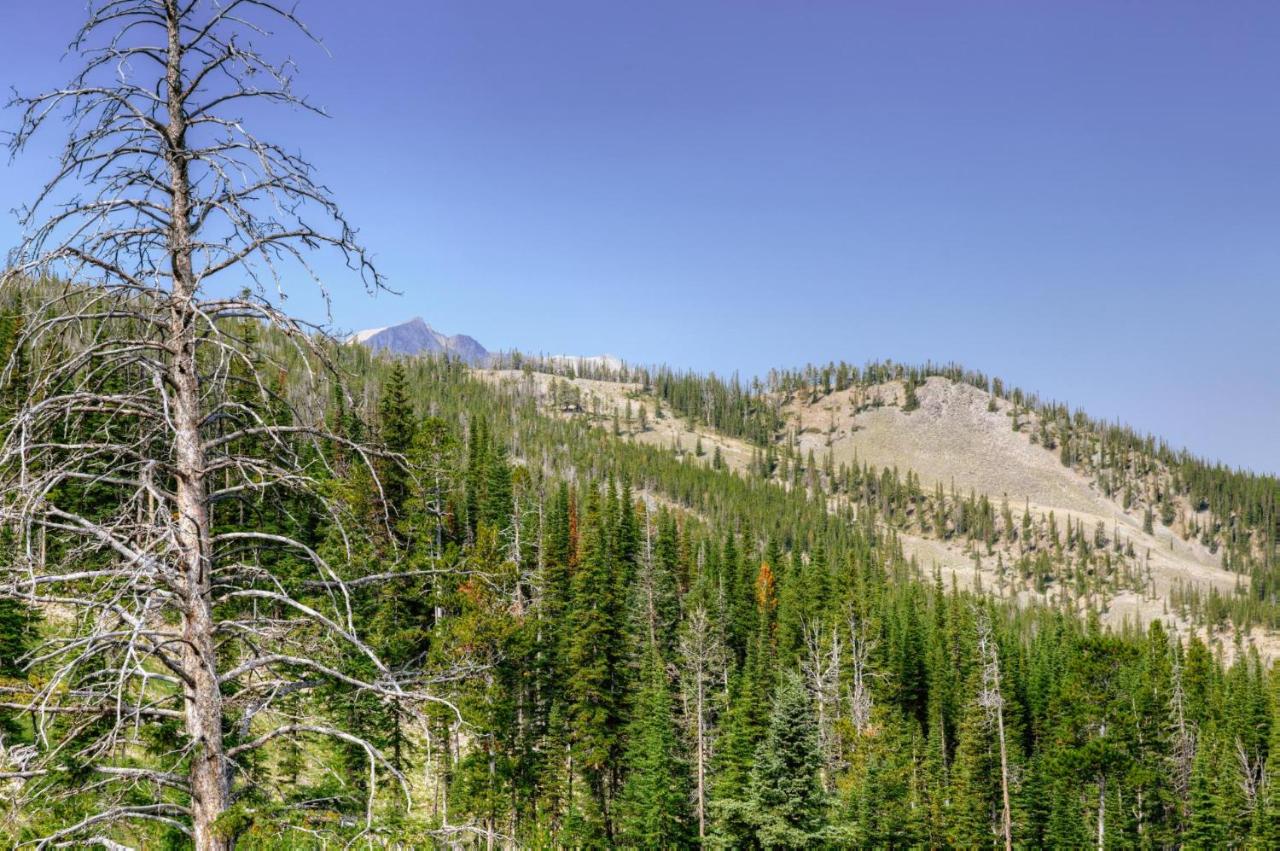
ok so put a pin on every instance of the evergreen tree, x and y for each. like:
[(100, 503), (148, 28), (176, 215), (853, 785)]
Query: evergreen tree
[(653, 808), (975, 776), (397, 426), (593, 709), (787, 805), (1206, 829)]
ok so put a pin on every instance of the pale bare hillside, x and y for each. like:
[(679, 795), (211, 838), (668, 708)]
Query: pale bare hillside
[(951, 437), (956, 438), (602, 401)]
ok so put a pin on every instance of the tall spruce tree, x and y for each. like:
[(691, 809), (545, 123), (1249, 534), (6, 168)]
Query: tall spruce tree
[(788, 807)]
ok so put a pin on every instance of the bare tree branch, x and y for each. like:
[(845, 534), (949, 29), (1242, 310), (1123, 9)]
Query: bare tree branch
[(163, 421)]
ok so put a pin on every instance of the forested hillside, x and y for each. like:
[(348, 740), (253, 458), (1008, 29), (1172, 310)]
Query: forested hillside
[(641, 647), (260, 588), (1136, 522)]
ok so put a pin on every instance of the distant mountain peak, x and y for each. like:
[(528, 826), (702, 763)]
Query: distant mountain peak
[(416, 337)]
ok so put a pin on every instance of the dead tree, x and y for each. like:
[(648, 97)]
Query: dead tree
[(167, 230), (821, 668), (861, 646), (992, 699), (702, 661), (1183, 734)]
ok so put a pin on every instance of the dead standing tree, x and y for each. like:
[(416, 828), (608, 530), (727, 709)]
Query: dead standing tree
[(702, 660), (153, 420), (991, 698)]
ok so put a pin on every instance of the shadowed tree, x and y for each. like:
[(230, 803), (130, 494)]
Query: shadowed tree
[(157, 473)]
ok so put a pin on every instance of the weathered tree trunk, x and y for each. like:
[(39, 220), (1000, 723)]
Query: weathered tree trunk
[(993, 699), (209, 791), (699, 653), (1006, 818), (702, 767), (179, 192), (489, 822), (208, 776), (1102, 811)]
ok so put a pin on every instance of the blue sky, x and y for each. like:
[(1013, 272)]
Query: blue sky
[(1081, 197)]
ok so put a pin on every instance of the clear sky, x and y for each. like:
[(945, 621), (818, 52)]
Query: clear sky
[(1083, 198)]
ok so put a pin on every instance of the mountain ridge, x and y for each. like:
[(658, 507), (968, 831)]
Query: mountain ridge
[(416, 337)]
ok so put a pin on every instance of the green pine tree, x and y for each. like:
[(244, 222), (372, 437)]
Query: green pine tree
[(788, 806), (654, 805)]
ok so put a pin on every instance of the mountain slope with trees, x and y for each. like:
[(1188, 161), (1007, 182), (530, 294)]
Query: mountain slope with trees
[(263, 589), (613, 622), (970, 482)]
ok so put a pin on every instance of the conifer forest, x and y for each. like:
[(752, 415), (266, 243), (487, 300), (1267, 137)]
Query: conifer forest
[(262, 586)]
